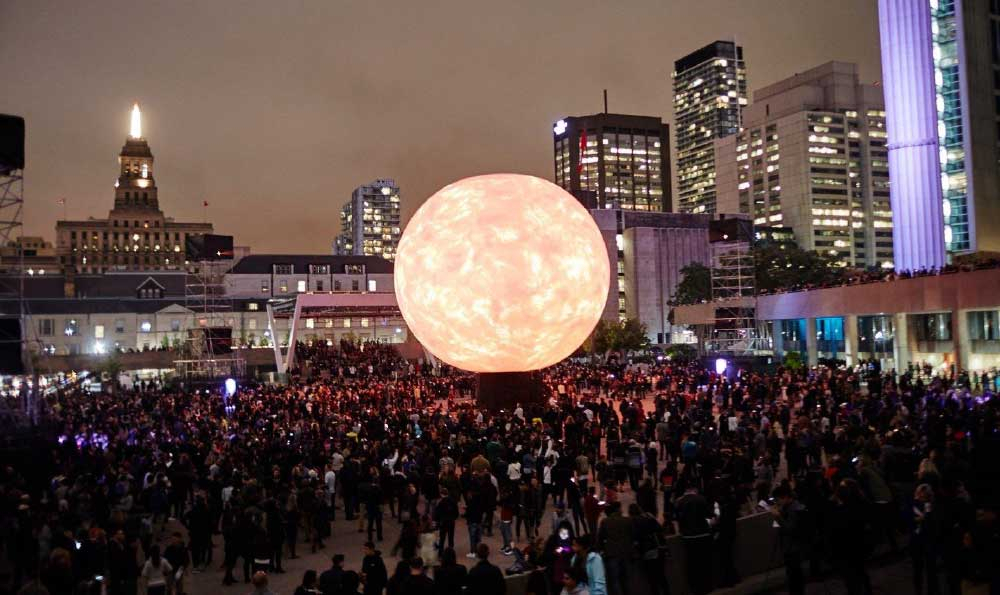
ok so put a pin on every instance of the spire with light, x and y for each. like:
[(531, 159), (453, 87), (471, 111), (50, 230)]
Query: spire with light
[(135, 130)]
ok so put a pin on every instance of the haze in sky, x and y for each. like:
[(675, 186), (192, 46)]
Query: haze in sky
[(274, 111)]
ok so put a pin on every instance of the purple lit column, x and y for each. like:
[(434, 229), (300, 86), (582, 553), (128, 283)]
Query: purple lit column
[(911, 122)]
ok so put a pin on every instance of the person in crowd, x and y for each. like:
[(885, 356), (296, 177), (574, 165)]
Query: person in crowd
[(693, 518), (331, 580), (485, 578), (373, 571), (445, 514), (418, 583), (616, 538), (309, 584), (575, 582), (260, 584), (450, 577), (793, 528), (592, 563), (156, 573)]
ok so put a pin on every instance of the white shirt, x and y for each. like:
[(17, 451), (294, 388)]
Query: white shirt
[(330, 479), (514, 471)]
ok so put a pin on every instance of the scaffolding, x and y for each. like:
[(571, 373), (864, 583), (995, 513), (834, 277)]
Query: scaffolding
[(11, 229), (734, 296), (212, 314)]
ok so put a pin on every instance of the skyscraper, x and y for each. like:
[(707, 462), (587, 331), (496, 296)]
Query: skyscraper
[(136, 235), (369, 222), (811, 157), (939, 65), (614, 161), (710, 90)]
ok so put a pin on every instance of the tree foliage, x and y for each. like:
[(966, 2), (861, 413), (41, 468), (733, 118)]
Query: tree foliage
[(627, 335), (793, 360), (780, 267), (695, 286)]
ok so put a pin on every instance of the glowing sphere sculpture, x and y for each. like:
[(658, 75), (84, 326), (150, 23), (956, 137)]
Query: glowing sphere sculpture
[(501, 273)]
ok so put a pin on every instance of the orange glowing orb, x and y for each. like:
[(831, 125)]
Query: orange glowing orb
[(501, 273)]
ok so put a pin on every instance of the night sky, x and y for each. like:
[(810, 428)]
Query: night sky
[(274, 111)]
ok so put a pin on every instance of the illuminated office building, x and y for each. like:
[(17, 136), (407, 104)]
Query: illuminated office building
[(614, 161), (710, 90), (812, 158), (369, 222)]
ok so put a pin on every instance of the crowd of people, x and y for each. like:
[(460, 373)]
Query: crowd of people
[(880, 275), (129, 490)]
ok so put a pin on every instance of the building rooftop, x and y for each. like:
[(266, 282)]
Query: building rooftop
[(263, 264), (716, 49)]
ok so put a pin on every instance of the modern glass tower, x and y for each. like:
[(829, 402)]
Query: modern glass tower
[(710, 90), (940, 61)]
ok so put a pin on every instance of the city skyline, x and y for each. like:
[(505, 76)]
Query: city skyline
[(306, 119)]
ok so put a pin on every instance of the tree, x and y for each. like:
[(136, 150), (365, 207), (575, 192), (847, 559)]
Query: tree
[(626, 335), (793, 360), (632, 335), (695, 286), (779, 267)]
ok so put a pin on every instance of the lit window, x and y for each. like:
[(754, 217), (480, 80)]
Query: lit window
[(72, 328), (146, 326), (372, 285), (364, 323), (253, 306), (99, 331), (310, 323), (300, 286), (347, 323)]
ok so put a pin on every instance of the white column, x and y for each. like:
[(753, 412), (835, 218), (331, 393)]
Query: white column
[(851, 339), (911, 123), (812, 348)]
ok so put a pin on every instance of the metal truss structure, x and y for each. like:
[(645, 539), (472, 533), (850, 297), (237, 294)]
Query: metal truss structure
[(328, 306), (734, 297), (205, 296)]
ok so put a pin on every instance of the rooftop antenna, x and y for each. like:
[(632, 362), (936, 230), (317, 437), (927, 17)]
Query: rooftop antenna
[(605, 101)]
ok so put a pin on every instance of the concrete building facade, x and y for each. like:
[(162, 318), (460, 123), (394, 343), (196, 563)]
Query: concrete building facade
[(812, 157), (945, 321), (647, 252)]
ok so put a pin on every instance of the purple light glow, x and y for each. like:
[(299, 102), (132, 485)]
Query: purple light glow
[(911, 123)]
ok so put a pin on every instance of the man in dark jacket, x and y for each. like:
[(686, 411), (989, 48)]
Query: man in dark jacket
[(373, 570), (616, 539), (418, 583), (790, 515), (332, 578), (485, 578), (692, 514), (445, 514)]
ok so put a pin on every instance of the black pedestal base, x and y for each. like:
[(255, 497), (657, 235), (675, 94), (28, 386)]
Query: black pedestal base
[(505, 390)]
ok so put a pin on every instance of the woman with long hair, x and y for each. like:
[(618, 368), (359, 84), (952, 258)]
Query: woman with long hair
[(156, 573)]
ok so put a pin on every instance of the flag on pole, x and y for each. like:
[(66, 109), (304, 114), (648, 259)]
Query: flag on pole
[(583, 150)]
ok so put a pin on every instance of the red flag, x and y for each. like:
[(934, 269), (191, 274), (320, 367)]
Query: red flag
[(583, 150)]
